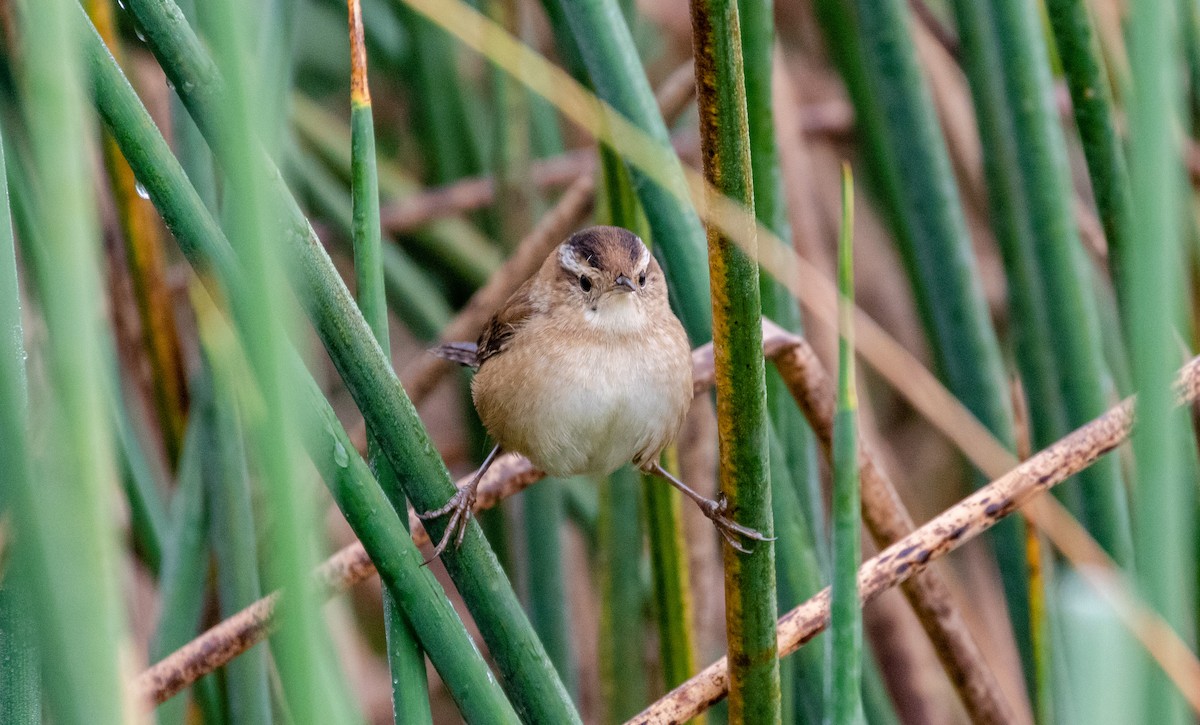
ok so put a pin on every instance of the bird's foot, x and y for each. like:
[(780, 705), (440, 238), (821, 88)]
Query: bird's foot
[(729, 529), (459, 507)]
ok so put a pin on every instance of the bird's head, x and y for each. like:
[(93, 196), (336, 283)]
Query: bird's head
[(610, 273)]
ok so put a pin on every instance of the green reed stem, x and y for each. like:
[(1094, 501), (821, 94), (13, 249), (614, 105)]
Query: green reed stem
[(410, 699), (1091, 99), (66, 538), (742, 426), (909, 164), (20, 682), (622, 626), (1162, 442), (845, 699)]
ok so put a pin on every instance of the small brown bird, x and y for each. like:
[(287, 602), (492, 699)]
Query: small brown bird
[(584, 369)]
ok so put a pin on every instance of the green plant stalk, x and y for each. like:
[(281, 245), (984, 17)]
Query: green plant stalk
[(401, 565), (20, 682), (190, 145), (231, 528), (148, 515), (1091, 100), (1165, 494), (410, 699), (623, 672), (148, 520), (1044, 191), (264, 322), (185, 552), (669, 576), (510, 639), (910, 166), (758, 43), (606, 46), (417, 300), (66, 538), (452, 242), (1099, 648), (549, 606), (845, 666), (793, 449), (385, 537), (742, 425), (1190, 14), (798, 577)]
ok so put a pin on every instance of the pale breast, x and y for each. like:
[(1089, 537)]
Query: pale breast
[(587, 403)]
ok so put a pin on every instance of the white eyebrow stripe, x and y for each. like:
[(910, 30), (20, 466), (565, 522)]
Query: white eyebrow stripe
[(568, 260), (644, 260)]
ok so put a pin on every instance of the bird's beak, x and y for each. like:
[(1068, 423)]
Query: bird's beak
[(623, 281)]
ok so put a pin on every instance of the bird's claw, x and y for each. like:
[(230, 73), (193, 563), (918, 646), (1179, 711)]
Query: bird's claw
[(460, 507), (728, 528)]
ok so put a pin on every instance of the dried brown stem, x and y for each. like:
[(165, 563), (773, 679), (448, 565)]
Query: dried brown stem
[(946, 532)]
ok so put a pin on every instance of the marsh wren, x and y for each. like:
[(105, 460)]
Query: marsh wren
[(584, 369)]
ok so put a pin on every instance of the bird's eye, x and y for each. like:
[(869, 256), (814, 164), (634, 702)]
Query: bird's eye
[(642, 279), (585, 284)]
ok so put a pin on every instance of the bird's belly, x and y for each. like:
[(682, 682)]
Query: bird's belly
[(583, 411)]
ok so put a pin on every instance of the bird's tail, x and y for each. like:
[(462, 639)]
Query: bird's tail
[(463, 353)]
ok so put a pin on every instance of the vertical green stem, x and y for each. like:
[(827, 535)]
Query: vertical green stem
[(549, 607), (742, 426), (1091, 99), (231, 527), (845, 701), (1165, 494), (623, 672), (793, 450), (20, 685), (670, 576), (410, 700), (264, 322), (185, 553), (66, 537)]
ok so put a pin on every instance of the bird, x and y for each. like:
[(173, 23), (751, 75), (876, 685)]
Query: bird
[(583, 369)]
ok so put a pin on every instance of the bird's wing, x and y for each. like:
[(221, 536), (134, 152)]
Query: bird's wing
[(463, 353), (499, 330)]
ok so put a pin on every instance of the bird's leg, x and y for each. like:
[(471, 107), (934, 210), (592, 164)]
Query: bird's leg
[(460, 507), (713, 509)]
